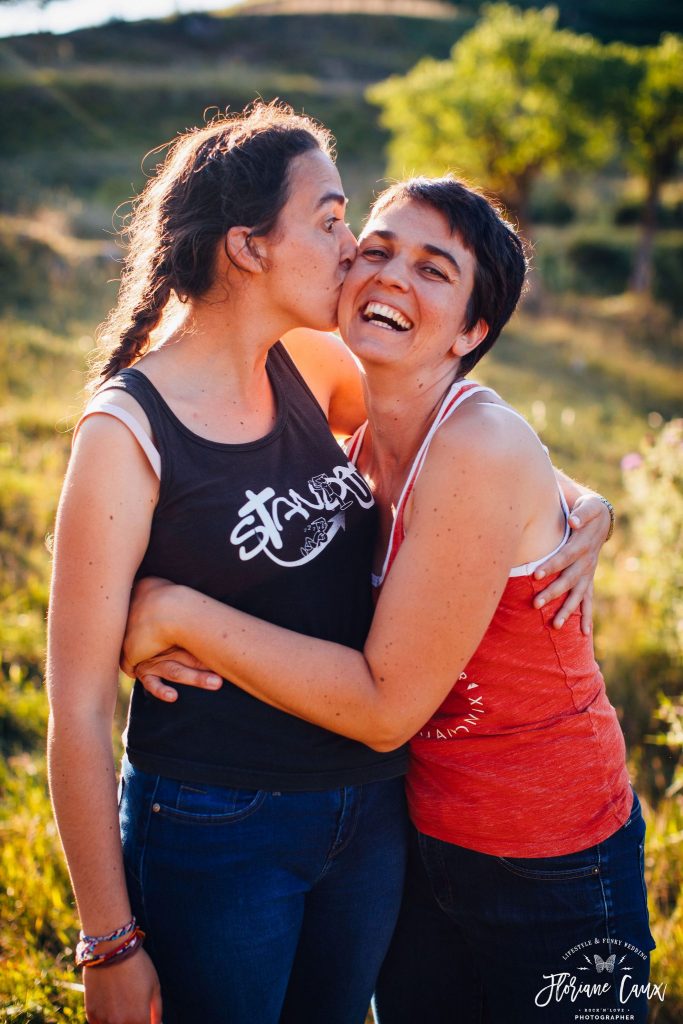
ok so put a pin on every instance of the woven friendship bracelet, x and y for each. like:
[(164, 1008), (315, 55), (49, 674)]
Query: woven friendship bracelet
[(130, 926), (129, 945), (86, 946)]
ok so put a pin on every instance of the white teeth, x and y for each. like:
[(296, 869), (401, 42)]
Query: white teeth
[(374, 309)]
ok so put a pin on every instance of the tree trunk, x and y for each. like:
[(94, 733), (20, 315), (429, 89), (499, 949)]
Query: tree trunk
[(519, 210), (641, 276)]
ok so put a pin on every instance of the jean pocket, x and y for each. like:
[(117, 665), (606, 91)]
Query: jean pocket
[(200, 804), (555, 869)]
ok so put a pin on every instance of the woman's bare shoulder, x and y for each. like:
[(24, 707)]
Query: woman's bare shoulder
[(486, 427)]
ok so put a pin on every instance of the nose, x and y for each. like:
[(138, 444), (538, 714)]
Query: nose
[(348, 247), (393, 273)]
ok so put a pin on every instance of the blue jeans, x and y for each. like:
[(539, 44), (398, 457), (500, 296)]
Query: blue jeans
[(477, 934), (263, 907)]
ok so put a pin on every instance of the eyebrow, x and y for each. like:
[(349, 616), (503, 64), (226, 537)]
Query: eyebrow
[(331, 197), (436, 251), (433, 250)]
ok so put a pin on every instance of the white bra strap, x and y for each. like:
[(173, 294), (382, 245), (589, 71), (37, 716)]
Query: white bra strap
[(135, 427), (530, 567), (355, 443), (448, 406)]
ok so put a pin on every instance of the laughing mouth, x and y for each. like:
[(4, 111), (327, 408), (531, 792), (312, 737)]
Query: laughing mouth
[(385, 316)]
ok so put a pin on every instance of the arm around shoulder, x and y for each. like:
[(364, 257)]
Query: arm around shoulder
[(468, 515)]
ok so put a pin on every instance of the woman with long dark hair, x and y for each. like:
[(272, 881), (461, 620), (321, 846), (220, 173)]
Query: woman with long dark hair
[(262, 856)]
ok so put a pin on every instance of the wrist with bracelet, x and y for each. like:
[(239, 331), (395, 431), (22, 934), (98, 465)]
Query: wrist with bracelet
[(131, 938), (612, 515)]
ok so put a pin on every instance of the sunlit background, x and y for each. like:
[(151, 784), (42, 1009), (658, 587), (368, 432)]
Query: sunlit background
[(23, 16)]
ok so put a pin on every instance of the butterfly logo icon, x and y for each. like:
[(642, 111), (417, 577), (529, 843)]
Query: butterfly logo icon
[(602, 965), (605, 965)]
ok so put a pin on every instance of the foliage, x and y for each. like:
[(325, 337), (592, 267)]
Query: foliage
[(640, 639), (664, 866), (40, 376), (645, 614), (638, 21), (37, 983), (588, 260), (655, 131), (518, 96), (23, 710)]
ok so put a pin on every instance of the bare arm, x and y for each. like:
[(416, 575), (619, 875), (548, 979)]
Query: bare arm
[(101, 534), (333, 376), (435, 606)]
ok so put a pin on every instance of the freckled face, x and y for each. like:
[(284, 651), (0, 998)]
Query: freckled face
[(405, 298), (311, 248)]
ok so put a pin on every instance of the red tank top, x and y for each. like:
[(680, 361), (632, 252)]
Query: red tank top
[(525, 757)]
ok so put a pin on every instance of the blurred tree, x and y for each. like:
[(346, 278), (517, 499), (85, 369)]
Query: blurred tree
[(640, 22), (518, 97), (655, 133)]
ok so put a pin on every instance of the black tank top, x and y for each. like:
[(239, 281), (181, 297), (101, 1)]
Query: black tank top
[(282, 528)]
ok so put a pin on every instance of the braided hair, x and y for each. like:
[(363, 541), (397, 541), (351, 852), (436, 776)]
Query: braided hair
[(233, 171)]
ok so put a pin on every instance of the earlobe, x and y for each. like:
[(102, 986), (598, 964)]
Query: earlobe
[(242, 250), (468, 340)]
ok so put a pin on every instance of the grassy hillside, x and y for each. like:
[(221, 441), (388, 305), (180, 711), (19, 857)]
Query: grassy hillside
[(96, 99)]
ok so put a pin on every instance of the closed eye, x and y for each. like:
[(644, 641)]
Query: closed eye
[(435, 272), (374, 253)]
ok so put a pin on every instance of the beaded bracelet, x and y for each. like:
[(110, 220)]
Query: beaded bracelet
[(612, 515), (130, 944), (86, 946)]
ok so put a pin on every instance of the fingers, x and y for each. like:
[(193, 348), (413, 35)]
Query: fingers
[(580, 593), (156, 687), (573, 553), (177, 672), (572, 602), (587, 509), (129, 668), (567, 583), (568, 580), (156, 676)]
